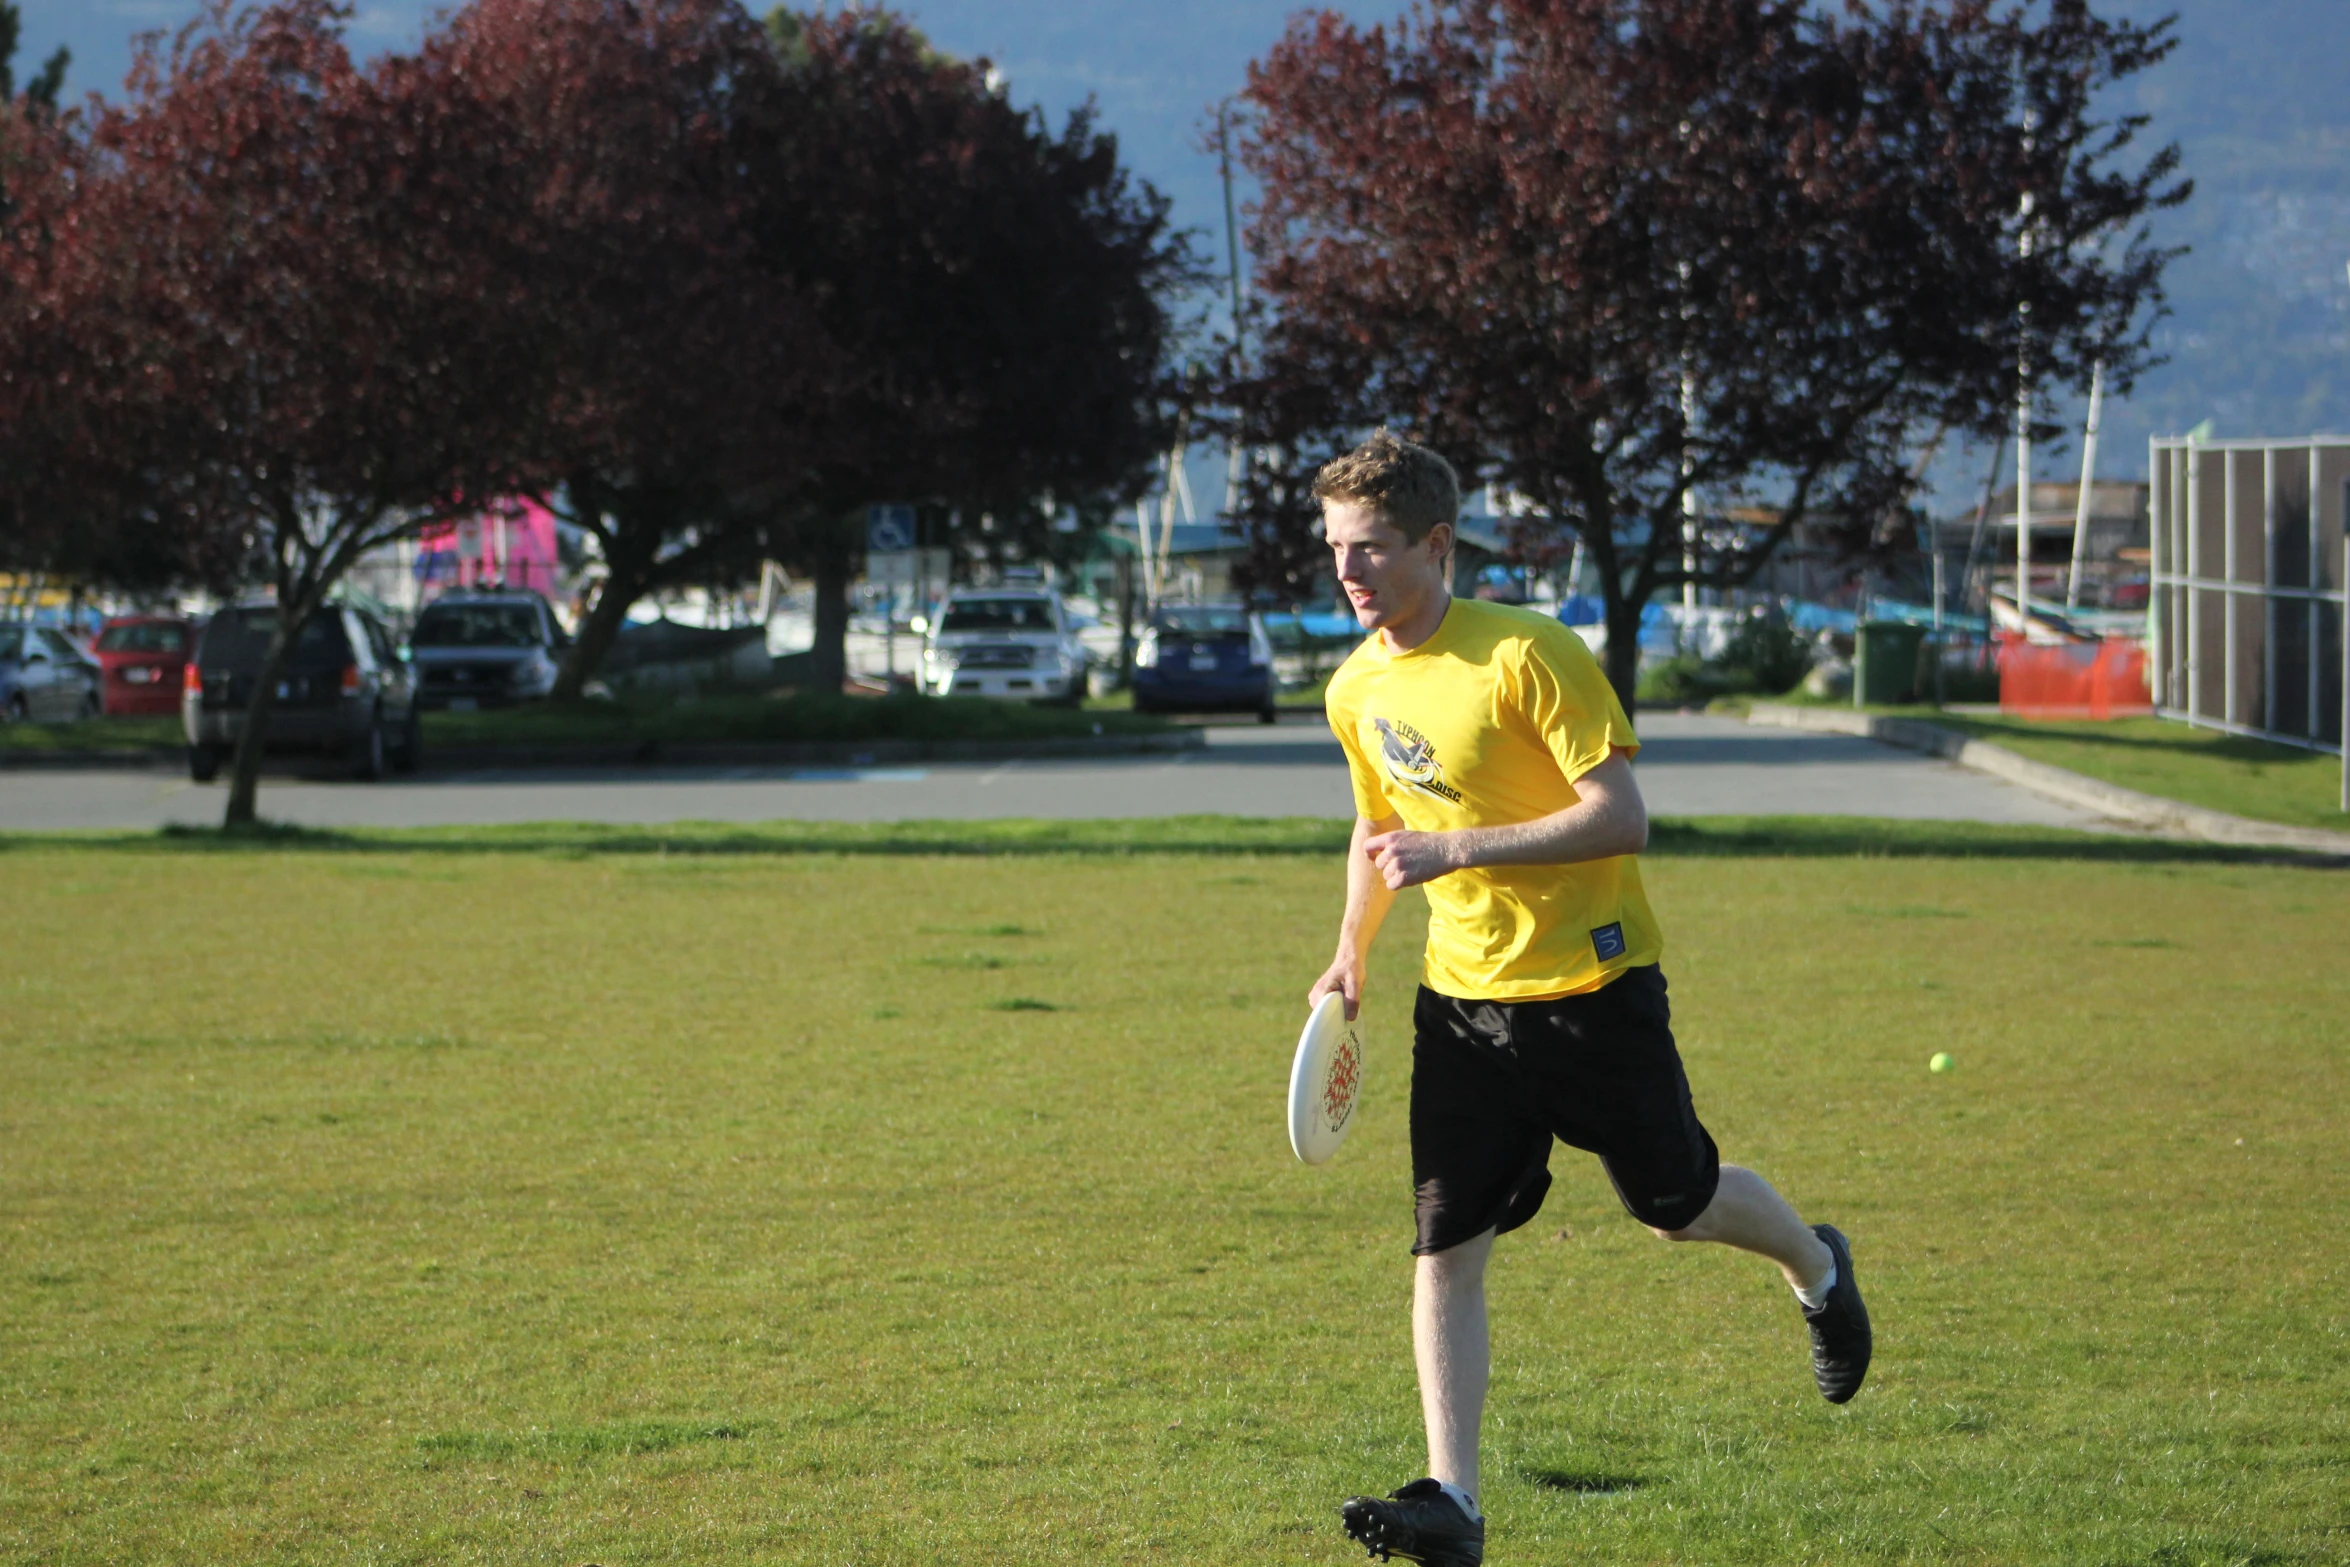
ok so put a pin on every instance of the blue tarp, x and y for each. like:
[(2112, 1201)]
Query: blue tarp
[(1323, 625), (1814, 618), (1923, 615)]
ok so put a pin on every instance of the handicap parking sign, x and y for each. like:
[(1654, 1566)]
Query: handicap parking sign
[(889, 529)]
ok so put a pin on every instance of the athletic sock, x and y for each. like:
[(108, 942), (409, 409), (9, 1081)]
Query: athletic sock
[(1463, 1500), (1817, 1296)]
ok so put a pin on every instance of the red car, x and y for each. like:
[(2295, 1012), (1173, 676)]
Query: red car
[(141, 659)]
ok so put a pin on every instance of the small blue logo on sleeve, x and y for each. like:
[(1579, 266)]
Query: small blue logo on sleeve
[(1608, 941)]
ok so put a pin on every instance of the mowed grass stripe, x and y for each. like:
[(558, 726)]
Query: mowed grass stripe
[(1775, 837), (412, 1205)]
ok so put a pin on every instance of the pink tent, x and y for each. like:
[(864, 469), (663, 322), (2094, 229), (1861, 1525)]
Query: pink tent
[(511, 543)]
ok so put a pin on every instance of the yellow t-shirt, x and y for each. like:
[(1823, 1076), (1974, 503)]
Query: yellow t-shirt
[(1489, 723)]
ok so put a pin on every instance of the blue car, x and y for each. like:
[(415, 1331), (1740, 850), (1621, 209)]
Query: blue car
[(1203, 658)]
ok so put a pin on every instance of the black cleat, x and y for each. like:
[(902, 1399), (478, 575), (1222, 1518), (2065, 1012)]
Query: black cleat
[(1418, 1523), (1840, 1339)]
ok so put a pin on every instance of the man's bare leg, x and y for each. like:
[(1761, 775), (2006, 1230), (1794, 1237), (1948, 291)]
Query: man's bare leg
[(1454, 1354), (1748, 1214)]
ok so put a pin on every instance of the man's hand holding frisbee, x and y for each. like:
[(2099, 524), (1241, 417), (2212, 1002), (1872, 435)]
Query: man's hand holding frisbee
[(1344, 978)]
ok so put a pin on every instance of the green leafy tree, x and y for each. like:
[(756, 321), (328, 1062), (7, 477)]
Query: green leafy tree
[(41, 90)]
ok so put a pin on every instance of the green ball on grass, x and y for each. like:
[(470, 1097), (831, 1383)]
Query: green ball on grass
[(1941, 1062)]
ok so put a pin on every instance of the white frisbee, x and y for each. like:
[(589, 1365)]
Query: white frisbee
[(1325, 1080)]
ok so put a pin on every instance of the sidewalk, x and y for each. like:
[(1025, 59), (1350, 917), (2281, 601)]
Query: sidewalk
[(1690, 765), (1694, 764)]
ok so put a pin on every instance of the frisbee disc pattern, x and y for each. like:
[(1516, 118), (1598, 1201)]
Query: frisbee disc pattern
[(1325, 1081), (1346, 1075)]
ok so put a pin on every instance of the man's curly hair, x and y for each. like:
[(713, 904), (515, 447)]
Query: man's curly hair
[(1409, 485)]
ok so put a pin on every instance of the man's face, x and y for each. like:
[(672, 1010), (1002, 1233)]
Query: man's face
[(1387, 578)]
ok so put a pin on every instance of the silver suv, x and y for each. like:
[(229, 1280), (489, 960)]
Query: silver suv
[(1004, 642), (485, 650)]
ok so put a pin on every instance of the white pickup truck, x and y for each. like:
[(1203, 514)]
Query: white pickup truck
[(1017, 643)]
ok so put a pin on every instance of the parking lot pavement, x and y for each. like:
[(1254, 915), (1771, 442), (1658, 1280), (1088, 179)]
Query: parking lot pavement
[(1689, 766), (1698, 766)]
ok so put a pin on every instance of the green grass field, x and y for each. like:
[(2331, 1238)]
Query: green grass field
[(94, 734), (608, 1203), (2220, 772), (2158, 756)]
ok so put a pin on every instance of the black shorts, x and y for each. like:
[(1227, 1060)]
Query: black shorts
[(1494, 1081)]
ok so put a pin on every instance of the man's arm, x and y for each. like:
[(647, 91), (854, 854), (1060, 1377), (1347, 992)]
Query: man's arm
[(1367, 901), (1610, 819)]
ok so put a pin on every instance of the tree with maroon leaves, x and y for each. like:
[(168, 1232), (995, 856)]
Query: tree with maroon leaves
[(38, 158), (683, 382), (1608, 252), (998, 289), (287, 302), (85, 496)]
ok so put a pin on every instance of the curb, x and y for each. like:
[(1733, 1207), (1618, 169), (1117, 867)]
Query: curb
[(2151, 811), (651, 753)]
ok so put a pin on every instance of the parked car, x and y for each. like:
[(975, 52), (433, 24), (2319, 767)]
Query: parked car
[(142, 664), (485, 649), (345, 691), (1004, 642), (44, 676), (1204, 657)]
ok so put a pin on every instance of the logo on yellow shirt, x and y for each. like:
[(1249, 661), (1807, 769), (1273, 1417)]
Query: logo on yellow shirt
[(1410, 760)]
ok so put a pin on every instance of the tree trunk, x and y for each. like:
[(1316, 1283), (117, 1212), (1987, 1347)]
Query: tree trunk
[(1623, 646), (244, 785), (1125, 622), (623, 586), (828, 659)]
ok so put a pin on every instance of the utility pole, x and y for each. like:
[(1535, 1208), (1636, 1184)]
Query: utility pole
[(1232, 459), (1231, 220), (1934, 542), (2023, 402), (1176, 487), (1688, 505), (2023, 457), (1148, 552), (1974, 547), (2072, 586), (1688, 472)]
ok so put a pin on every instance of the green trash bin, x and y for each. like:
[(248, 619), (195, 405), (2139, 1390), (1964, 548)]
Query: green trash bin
[(1885, 663)]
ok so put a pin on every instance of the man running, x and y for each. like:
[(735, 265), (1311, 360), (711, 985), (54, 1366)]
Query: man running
[(1491, 763)]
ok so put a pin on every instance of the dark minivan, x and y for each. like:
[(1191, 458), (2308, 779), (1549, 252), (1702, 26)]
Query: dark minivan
[(345, 691)]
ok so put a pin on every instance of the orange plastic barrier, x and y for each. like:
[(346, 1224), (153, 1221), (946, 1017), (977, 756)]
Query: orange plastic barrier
[(2074, 680)]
